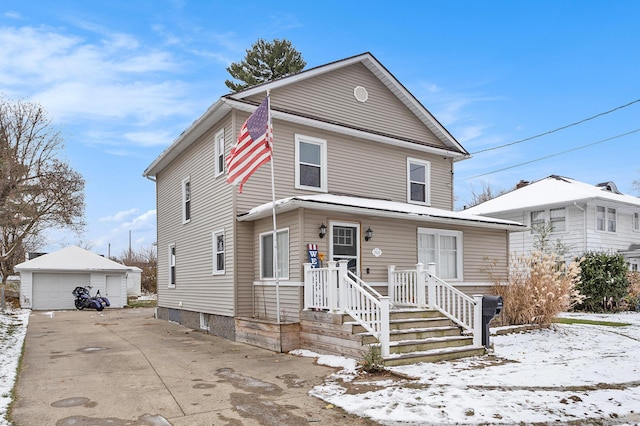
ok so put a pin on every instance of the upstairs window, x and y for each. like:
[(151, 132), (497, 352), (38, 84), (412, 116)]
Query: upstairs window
[(218, 252), (557, 218), (311, 163), (219, 150), (172, 266), (606, 219), (186, 200), (418, 176), (537, 218), (636, 221)]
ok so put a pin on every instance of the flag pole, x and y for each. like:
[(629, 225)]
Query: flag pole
[(275, 228)]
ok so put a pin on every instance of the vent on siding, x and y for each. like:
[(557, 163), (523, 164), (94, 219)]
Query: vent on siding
[(361, 94)]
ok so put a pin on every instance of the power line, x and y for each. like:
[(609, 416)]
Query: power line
[(558, 129), (554, 155)]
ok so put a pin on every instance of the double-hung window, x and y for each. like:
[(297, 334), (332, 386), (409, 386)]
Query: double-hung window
[(606, 219), (444, 248), (558, 219), (537, 218), (172, 265), (218, 252), (186, 200), (636, 221), (219, 152), (418, 177), (311, 163), (266, 255)]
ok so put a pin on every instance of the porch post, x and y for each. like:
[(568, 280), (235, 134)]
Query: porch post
[(308, 288), (342, 286), (384, 326), (431, 285), (333, 286), (477, 320), (421, 285), (391, 282)]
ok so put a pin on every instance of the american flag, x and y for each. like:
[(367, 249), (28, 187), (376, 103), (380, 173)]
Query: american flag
[(253, 148)]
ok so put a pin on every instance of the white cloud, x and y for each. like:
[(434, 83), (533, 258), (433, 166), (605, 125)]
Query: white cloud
[(120, 216)]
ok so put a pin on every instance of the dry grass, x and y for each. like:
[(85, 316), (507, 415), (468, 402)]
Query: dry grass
[(539, 287)]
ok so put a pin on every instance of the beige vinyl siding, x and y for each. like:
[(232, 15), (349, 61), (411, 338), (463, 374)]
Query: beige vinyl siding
[(355, 166), (211, 209), (291, 303), (329, 97)]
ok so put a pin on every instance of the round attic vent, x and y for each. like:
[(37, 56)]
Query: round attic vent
[(361, 93)]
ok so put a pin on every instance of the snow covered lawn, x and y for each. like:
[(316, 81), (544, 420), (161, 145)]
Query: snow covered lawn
[(13, 328), (565, 373)]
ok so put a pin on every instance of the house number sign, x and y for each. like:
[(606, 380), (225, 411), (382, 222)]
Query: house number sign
[(376, 252)]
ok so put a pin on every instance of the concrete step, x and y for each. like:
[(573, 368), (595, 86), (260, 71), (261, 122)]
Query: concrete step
[(435, 355)]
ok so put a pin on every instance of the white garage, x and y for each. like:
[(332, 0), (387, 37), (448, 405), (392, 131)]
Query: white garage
[(46, 282)]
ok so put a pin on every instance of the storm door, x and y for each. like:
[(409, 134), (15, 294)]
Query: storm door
[(345, 239)]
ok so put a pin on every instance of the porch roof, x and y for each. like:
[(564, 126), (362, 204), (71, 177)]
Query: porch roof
[(378, 208)]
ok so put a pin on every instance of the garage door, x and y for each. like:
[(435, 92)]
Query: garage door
[(53, 291)]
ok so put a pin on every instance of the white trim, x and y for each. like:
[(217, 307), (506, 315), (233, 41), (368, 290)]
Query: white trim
[(459, 250), (606, 219), (427, 181), (204, 325), (272, 283), (323, 162), (355, 237), (218, 140), (279, 252), (214, 246), (172, 264), (635, 222), (186, 181)]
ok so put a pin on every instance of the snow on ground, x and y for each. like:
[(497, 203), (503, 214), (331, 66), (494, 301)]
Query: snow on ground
[(566, 373), (13, 328)]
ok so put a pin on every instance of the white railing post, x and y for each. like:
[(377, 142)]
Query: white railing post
[(391, 282), (431, 285), (342, 284), (477, 320), (332, 297), (421, 285), (384, 326), (308, 286)]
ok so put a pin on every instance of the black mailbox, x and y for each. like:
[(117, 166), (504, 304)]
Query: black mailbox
[(491, 306)]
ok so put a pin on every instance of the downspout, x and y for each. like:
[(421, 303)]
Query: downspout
[(584, 226)]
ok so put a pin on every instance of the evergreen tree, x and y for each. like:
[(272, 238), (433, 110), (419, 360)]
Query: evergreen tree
[(265, 61)]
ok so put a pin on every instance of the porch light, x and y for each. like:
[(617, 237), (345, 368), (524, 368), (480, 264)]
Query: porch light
[(368, 234), (323, 230)]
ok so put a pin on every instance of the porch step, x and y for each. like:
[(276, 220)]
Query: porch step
[(407, 324), (435, 355), (421, 345), (415, 334)]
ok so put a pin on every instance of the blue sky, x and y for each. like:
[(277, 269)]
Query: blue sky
[(122, 79)]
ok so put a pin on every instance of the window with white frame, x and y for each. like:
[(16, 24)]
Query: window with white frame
[(311, 163), (558, 219), (636, 221), (186, 200), (218, 252), (444, 248), (537, 218), (219, 152), (172, 265), (418, 181), (606, 219), (266, 255)]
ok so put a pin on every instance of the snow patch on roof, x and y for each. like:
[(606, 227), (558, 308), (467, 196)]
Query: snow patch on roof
[(72, 258)]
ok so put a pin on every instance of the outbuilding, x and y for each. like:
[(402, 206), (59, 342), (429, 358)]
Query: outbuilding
[(46, 282)]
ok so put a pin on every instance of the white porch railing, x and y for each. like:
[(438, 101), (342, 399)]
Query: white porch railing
[(407, 288), (334, 288)]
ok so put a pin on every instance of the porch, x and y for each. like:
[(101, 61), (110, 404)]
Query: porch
[(422, 318)]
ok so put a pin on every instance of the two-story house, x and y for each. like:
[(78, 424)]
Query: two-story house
[(363, 172), (581, 216)]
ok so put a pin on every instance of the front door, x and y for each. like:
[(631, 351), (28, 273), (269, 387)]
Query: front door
[(345, 239)]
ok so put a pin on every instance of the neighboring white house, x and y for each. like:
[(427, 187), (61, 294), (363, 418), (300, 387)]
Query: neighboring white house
[(583, 217), (134, 281), (46, 282)]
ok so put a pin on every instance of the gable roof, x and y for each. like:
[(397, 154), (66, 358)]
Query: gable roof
[(240, 101), (71, 258), (378, 208), (550, 191)]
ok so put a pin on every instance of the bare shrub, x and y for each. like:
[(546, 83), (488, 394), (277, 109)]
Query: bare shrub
[(539, 287), (633, 298)]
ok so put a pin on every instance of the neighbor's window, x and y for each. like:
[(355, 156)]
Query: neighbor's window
[(172, 265), (444, 248), (605, 219), (218, 252), (636, 221), (537, 218), (186, 200), (266, 255), (311, 163), (418, 175), (557, 218), (219, 141)]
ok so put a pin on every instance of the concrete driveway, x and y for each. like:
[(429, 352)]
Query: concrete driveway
[(123, 367)]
